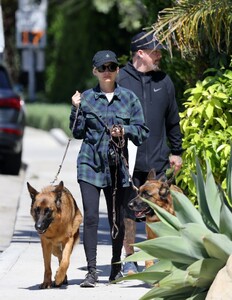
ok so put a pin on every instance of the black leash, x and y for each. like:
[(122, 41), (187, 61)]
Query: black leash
[(117, 146)]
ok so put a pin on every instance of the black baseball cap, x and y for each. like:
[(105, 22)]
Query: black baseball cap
[(144, 40), (104, 56)]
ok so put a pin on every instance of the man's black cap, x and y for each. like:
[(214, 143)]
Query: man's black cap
[(103, 57), (144, 40)]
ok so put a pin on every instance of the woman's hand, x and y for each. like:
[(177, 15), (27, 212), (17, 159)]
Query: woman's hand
[(117, 131), (76, 99)]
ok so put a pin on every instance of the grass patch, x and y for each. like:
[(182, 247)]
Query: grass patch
[(47, 116)]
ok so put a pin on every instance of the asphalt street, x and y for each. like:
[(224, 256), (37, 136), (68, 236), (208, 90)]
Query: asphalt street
[(21, 261)]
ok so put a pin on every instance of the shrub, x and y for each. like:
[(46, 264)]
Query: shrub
[(206, 124), (48, 116)]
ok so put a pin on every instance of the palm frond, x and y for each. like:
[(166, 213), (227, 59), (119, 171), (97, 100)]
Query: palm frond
[(194, 26)]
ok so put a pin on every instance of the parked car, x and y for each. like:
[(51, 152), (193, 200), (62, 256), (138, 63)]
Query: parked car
[(12, 124)]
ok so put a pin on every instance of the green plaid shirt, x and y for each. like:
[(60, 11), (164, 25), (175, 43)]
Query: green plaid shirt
[(94, 115)]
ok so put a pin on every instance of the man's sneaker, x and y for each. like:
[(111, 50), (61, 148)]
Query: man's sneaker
[(130, 268), (91, 279), (115, 272)]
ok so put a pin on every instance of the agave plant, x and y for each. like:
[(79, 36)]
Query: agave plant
[(191, 246)]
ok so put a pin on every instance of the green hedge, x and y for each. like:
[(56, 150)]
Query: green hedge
[(206, 123), (47, 116)]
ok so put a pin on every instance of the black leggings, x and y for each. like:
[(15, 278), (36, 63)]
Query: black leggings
[(90, 198)]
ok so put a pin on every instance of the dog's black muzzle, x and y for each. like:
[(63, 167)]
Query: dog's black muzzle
[(42, 224), (140, 208)]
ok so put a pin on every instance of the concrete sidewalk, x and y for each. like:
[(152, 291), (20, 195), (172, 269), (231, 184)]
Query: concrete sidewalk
[(21, 264)]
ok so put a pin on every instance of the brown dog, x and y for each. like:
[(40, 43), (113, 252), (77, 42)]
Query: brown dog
[(57, 220), (158, 192)]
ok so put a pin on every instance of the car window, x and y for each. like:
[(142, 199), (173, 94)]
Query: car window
[(4, 80)]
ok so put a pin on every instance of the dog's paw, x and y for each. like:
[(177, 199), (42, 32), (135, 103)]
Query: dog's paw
[(45, 285), (57, 284)]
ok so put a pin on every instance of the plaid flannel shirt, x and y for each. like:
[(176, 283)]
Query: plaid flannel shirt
[(95, 115)]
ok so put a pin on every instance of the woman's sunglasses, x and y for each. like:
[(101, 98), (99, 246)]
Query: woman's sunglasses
[(111, 68)]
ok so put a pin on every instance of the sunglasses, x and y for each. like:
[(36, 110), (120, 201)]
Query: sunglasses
[(111, 68)]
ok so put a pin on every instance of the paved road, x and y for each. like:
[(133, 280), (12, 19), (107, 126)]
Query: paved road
[(21, 263)]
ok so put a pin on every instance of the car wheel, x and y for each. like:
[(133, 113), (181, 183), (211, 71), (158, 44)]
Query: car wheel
[(12, 164)]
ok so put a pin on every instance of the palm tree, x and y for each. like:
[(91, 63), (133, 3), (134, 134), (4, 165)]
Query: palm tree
[(197, 28)]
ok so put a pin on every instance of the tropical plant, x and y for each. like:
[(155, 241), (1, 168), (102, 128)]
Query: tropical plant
[(206, 124), (196, 26), (191, 246)]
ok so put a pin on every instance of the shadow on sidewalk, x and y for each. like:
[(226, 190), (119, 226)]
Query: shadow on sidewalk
[(30, 235)]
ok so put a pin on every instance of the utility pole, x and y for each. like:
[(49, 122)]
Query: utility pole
[(31, 38)]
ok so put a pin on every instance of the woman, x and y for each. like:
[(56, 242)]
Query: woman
[(105, 117)]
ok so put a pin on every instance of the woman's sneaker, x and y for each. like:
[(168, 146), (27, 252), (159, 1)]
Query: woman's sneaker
[(91, 279), (130, 268)]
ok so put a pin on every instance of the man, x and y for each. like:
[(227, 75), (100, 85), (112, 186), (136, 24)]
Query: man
[(163, 148)]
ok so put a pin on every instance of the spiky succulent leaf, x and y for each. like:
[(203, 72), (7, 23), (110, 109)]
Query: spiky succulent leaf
[(218, 246), (165, 266), (229, 179), (166, 293), (155, 273), (148, 277), (224, 198), (212, 196), (193, 233), (139, 256), (185, 211), (225, 225), (174, 248), (205, 271), (164, 215), (202, 200), (176, 280), (161, 229), (200, 296)]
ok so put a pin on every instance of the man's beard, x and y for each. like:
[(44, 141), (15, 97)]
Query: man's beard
[(156, 67)]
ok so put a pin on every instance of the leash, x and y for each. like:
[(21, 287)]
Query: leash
[(117, 147), (66, 149), (60, 166)]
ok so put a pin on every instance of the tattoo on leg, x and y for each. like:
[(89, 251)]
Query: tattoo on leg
[(130, 231)]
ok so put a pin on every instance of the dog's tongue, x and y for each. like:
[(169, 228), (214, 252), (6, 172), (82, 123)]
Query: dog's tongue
[(139, 214)]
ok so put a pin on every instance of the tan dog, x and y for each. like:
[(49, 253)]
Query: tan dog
[(158, 192), (57, 220)]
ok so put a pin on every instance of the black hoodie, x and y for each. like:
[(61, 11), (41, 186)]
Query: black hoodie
[(157, 95)]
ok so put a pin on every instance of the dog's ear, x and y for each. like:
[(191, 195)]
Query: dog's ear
[(164, 191), (151, 175), (58, 190), (163, 178), (32, 192)]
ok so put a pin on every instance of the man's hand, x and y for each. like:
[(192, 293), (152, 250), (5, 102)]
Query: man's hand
[(176, 162), (76, 99)]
